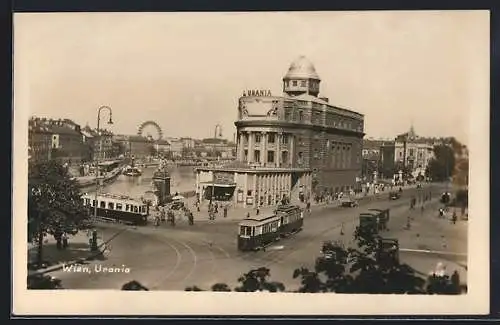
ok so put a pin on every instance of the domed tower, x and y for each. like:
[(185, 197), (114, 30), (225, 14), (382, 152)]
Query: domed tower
[(301, 78)]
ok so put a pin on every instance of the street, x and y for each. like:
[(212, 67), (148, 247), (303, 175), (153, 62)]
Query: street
[(167, 258)]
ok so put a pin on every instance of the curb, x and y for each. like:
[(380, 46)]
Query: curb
[(101, 248)]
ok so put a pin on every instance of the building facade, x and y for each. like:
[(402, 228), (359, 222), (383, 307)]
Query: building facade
[(293, 145), (408, 153), (135, 145), (39, 141), (302, 130), (66, 143), (188, 143), (162, 147), (100, 143)]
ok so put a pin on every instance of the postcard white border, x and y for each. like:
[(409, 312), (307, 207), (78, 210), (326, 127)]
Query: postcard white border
[(104, 302)]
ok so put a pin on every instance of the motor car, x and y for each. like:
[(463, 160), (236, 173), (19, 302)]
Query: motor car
[(348, 202), (394, 195)]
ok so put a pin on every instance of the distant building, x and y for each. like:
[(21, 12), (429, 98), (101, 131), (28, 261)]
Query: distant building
[(176, 147), (188, 143), (135, 145), (216, 147), (66, 143), (162, 146), (39, 141), (408, 152), (100, 144), (371, 147)]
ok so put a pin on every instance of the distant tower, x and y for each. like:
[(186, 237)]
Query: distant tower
[(301, 78)]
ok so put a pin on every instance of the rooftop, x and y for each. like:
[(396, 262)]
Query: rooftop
[(302, 68), (310, 98)]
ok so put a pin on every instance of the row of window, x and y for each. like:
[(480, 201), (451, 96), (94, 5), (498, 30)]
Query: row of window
[(289, 218), (270, 156), (317, 118), (117, 206), (270, 227), (271, 138)]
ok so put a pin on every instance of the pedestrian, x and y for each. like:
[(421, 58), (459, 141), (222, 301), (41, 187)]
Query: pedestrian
[(308, 206), (257, 211), (64, 240), (225, 211), (248, 215), (454, 217), (455, 282)]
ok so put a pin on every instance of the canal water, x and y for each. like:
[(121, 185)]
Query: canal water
[(182, 179)]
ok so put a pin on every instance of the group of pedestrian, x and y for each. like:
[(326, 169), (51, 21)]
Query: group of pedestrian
[(163, 214), (61, 240), (213, 210)]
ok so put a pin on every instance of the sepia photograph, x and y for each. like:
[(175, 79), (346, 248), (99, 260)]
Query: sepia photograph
[(251, 163)]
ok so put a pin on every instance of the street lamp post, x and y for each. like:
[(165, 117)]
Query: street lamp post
[(96, 158)]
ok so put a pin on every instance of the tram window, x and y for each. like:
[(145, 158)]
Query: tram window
[(87, 201), (111, 206), (253, 231), (93, 203), (135, 208), (143, 209), (119, 206), (127, 207), (242, 230), (102, 204), (83, 201)]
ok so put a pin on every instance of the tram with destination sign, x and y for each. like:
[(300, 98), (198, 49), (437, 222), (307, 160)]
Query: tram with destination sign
[(257, 232), (120, 208)]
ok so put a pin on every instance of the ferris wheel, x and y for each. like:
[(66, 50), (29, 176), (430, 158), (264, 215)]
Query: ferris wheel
[(151, 130)]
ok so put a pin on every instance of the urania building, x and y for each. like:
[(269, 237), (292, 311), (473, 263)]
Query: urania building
[(292, 146)]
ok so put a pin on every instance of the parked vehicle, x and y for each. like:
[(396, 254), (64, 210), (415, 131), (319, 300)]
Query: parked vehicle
[(348, 202), (394, 195), (388, 250), (374, 220)]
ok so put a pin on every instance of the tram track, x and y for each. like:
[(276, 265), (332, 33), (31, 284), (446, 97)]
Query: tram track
[(175, 267), (278, 256)]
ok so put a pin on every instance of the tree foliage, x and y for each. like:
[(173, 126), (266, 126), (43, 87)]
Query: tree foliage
[(134, 286), (440, 168), (351, 270), (54, 203)]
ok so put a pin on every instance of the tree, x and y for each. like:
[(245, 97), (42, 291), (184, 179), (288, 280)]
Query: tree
[(257, 280), (54, 204), (221, 287), (461, 172), (134, 285), (441, 167)]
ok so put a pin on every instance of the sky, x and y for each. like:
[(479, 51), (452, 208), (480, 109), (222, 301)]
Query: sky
[(186, 70)]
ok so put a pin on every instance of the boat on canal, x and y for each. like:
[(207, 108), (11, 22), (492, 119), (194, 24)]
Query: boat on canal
[(132, 171)]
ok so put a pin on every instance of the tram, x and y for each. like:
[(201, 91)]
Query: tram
[(118, 208), (259, 231)]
